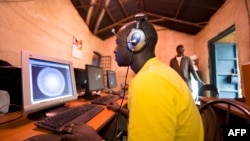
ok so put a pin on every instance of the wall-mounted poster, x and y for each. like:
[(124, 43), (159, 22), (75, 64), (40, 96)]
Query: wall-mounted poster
[(77, 48)]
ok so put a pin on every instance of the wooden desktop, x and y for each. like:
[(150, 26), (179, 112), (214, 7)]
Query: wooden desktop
[(23, 128)]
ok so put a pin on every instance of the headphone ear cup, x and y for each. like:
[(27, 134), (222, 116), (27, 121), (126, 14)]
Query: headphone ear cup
[(136, 40)]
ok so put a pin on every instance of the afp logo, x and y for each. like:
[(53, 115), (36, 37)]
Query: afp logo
[(236, 132)]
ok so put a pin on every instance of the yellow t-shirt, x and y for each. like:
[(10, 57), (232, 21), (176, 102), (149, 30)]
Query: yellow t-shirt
[(161, 107)]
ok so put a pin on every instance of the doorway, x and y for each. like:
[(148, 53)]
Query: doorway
[(223, 60)]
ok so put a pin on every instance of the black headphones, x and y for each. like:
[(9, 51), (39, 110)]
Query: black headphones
[(136, 39)]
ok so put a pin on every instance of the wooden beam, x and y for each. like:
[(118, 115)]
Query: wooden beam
[(109, 14), (179, 8), (119, 23), (123, 9), (163, 18), (101, 15)]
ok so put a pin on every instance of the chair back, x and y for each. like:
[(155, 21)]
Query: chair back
[(221, 113), (209, 87)]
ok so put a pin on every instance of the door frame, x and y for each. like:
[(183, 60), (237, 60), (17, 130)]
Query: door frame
[(211, 49)]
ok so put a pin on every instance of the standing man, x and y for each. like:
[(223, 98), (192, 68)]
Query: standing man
[(183, 65), (160, 106)]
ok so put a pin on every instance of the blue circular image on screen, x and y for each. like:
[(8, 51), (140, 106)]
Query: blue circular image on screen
[(50, 82)]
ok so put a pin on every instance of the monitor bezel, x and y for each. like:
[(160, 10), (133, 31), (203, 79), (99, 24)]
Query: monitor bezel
[(30, 107), (87, 66)]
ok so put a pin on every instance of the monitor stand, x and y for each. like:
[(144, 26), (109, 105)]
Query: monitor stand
[(114, 92), (108, 91), (46, 113), (89, 95)]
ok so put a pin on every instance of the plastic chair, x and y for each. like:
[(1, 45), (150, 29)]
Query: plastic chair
[(221, 113)]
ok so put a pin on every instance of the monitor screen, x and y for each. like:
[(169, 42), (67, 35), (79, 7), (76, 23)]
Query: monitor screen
[(111, 79), (95, 80), (81, 79), (47, 82)]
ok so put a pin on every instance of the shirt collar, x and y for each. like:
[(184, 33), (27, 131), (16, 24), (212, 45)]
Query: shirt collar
[(148, 64)]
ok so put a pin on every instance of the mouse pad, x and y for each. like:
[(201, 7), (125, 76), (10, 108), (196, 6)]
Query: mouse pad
[(43, 137)]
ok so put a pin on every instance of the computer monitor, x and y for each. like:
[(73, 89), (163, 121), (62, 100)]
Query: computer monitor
[(111, 79), (81, 80), (95, 81), (112, 83), (47, 82)]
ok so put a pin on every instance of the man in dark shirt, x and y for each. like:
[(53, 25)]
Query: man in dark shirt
[(184, 66)]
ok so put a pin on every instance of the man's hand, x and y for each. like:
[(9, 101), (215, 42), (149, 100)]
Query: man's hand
[(113, 106), (79, 132)]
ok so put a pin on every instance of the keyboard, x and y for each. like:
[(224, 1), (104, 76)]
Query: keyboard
[(104, 100), (80, 114), (119, 92)]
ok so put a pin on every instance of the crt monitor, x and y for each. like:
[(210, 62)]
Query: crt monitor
[(111, 79), (47, 82), (95, 81)]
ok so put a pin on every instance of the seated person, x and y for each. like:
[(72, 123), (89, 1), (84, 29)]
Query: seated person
[(160, 105)]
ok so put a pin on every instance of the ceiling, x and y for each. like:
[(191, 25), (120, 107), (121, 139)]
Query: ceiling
[(188, 16)]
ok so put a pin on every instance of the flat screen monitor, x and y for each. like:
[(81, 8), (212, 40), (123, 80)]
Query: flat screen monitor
[(95, 81), (111, 79), (46, 82), (81, 80)]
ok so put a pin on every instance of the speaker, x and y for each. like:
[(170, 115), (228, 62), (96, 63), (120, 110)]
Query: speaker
[(136, 39)]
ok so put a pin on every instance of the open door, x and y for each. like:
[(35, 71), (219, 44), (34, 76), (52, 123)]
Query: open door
[(226, 73), (223, 64)]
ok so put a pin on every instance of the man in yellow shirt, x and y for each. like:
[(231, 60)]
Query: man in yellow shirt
[(160, 106)]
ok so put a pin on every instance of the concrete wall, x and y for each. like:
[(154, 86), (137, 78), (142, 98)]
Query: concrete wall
[(46, 27)]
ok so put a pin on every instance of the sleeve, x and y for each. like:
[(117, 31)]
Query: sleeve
[(170, 63), (192, 70)]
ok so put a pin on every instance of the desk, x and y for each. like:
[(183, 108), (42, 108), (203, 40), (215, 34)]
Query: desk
[(23, 128)]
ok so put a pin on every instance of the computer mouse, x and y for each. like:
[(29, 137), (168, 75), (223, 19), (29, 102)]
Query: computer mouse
[(44, 137)]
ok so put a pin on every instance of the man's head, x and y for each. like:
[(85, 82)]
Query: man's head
[(180, 50), (128, 36)]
